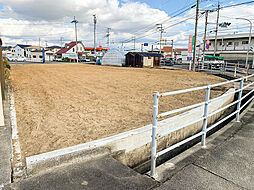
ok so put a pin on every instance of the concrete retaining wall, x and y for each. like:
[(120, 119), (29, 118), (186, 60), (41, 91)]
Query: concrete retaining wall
[(136, 144)]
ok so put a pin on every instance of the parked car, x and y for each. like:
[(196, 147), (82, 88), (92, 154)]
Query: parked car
[(84, 59), (13, 58), (21, 59), (172, 60), (179, 61), (58, 59), (166, 62)]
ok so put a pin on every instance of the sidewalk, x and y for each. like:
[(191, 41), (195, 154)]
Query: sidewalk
[(5, 148), (227, 163), (105, 173)]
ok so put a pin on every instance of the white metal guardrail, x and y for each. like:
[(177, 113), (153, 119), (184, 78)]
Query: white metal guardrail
[(204, 117), (236, 68)]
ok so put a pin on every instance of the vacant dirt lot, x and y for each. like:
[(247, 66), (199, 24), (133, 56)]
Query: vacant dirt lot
[(63, 105)]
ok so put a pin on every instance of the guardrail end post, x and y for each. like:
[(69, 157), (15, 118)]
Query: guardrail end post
[(239, 100), (154, 134), (203, 141)]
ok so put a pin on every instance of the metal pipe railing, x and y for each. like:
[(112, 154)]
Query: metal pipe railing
[(206, 115), (207, 97), (154, 133)]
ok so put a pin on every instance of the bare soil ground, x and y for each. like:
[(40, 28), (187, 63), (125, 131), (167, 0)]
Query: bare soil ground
[(67, 104)]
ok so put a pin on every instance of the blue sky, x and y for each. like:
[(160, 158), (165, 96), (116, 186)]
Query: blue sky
[(170, 6)]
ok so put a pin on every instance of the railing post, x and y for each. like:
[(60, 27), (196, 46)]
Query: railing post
[(239, 100), (235, 70), (154, 134), (207, 97)]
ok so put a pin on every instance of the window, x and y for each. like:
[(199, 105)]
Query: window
[(230, 43), (236, 43), (73, 49), (245, 42), (220, 43), (149, 57), (34, 56), (40, 56)]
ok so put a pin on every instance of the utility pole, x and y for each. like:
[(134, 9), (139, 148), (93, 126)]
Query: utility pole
[(61, 40), (46, 43), (107, 35), (134, 43), (2, 77), (94, 33), (160, 28), (247, 56), (39, 41), (122, 47), (216, 32), (76, 35), (172, 48), (141, 47), (204, 43), (195, 37)]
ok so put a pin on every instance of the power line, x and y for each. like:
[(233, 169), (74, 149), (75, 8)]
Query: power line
[(239, 4)]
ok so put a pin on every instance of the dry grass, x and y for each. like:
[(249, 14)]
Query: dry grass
[(67, 104)]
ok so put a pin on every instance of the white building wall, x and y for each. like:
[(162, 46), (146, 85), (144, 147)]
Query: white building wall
[(17, 52), (73, 49), (36, 57)]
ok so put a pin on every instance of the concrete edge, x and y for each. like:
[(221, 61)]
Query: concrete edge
[(17, 164), (46, 160), (177, 163)]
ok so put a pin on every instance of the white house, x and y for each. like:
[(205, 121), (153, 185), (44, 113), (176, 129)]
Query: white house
[(36, 56), (53, 49), (69, 50), (18, 51), (29, 50)]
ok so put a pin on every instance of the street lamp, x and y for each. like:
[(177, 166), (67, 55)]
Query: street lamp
[(249, 40)]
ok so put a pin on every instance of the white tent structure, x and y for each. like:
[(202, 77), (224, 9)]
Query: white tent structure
[(113, 57)]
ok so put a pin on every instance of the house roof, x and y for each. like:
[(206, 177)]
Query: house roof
[(23, 46), (34, 47), (52, 47), (67, 47)]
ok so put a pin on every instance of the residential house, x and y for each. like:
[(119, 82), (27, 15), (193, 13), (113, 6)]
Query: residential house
[(53, 49), (6, 51), (31, 52), (69, 50), (18, 51), (232, 47), (39, 54)]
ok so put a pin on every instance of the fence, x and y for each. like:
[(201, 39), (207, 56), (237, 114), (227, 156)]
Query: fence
[(237, 68), (204, 118)]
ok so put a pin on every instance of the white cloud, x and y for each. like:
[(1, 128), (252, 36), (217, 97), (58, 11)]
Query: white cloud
[(47, 19), (50, 20)]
